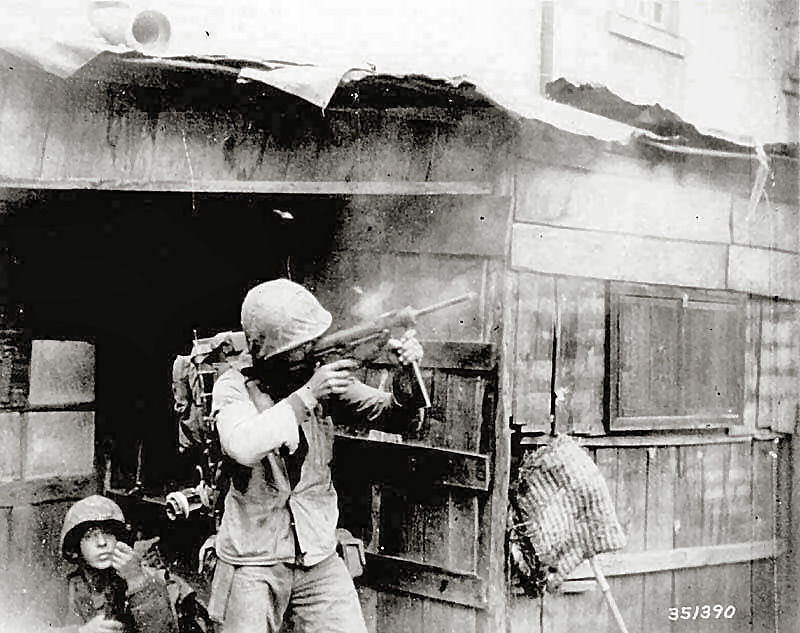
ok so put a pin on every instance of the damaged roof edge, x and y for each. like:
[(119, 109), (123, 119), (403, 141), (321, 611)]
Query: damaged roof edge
[(585, 110)]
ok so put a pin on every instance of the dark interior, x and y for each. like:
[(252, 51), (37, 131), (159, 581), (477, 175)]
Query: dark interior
[(136, 273)]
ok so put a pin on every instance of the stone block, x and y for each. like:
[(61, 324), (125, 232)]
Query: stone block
[(59, 443), (598, 255), (62, 373), (10, 445)]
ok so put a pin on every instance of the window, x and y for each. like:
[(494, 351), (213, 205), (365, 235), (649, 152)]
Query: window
[(676, 358), (662, 14), (652, 23)]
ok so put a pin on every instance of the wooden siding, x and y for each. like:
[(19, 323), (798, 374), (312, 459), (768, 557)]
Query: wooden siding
[(585, 212), (46, 462), (580, 355), (608, 255), (718, 500), (676, 357), (430, 513), (104, 135), (534, 304), (771, 366), (664, 208)]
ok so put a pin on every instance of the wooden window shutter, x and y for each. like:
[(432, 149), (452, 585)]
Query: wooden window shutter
[(676, 358)]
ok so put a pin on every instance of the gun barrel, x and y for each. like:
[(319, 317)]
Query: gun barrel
[(370, 329), (469, 296)]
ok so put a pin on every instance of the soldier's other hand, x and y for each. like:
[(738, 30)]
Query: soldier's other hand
[(407, 347), (127, 562), (332, 379), (101, 624)]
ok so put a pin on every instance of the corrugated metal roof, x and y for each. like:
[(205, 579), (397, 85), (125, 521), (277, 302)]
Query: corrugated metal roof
[(65, 43)]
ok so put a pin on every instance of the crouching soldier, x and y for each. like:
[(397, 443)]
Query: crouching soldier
[(111, 591)]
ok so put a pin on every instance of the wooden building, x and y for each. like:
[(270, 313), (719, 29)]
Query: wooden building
[(628, 294)]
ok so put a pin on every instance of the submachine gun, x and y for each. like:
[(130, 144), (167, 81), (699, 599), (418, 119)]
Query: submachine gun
[(363, 342)]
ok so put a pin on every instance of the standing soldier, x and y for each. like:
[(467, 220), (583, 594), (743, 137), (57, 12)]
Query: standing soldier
[(277, 540)]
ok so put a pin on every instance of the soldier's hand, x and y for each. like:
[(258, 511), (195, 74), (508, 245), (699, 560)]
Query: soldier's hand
[(407, 347), (127, 562), (332, 379), (101, 624)]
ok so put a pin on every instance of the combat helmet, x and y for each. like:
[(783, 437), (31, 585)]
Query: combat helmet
[(280, 315), (94, 510)]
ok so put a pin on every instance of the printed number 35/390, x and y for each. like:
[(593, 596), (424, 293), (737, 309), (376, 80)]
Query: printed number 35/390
[(702, 611)]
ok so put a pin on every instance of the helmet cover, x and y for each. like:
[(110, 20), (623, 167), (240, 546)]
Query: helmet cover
[(280, 315), (91, 511)]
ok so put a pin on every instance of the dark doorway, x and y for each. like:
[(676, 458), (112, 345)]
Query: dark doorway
[(136, 273)]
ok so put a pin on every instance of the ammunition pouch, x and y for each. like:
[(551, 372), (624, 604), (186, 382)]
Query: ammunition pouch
[(351, 550)]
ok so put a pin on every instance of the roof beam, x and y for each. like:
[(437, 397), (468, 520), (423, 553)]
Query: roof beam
[(332, 187)]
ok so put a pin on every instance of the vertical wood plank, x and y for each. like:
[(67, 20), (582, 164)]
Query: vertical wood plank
[(762, 526), (462, 529), (782, 474), (607, 463), (688, 583), (659, 527), (580, 356), (373, 542), (715, 507), (762, 601), (663, 383), (399, 613), (368, 597), (739, 494), (447, 618), (633, 332), (729, 584), (751, 363), (493, 302), (5, 539), (732, 587), (763, 514), (462, 411), (534, 352), (435, 430), (631, 508), (435, 509), (491, 519), (778, 393), (767, 388), (525, 615)]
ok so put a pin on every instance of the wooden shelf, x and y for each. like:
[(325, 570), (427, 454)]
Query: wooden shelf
[(462, 356), (628, 563), (390, 461), (401, 574), (43, 490)]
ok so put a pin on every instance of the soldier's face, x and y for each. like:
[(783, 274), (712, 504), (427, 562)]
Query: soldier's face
[(97, 546)]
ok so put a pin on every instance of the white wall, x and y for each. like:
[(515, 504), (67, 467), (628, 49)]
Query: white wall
[(728, 76)]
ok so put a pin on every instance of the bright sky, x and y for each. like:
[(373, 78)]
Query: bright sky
[(489, 41)]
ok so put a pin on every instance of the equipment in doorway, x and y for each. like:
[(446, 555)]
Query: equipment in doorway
[(561, 515), (193, 379)]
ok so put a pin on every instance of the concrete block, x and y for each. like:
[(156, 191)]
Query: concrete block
[(764, 272), (59, 443), (597, 255), (62, 372), (771, 226), (10, 446), (657, 206)]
